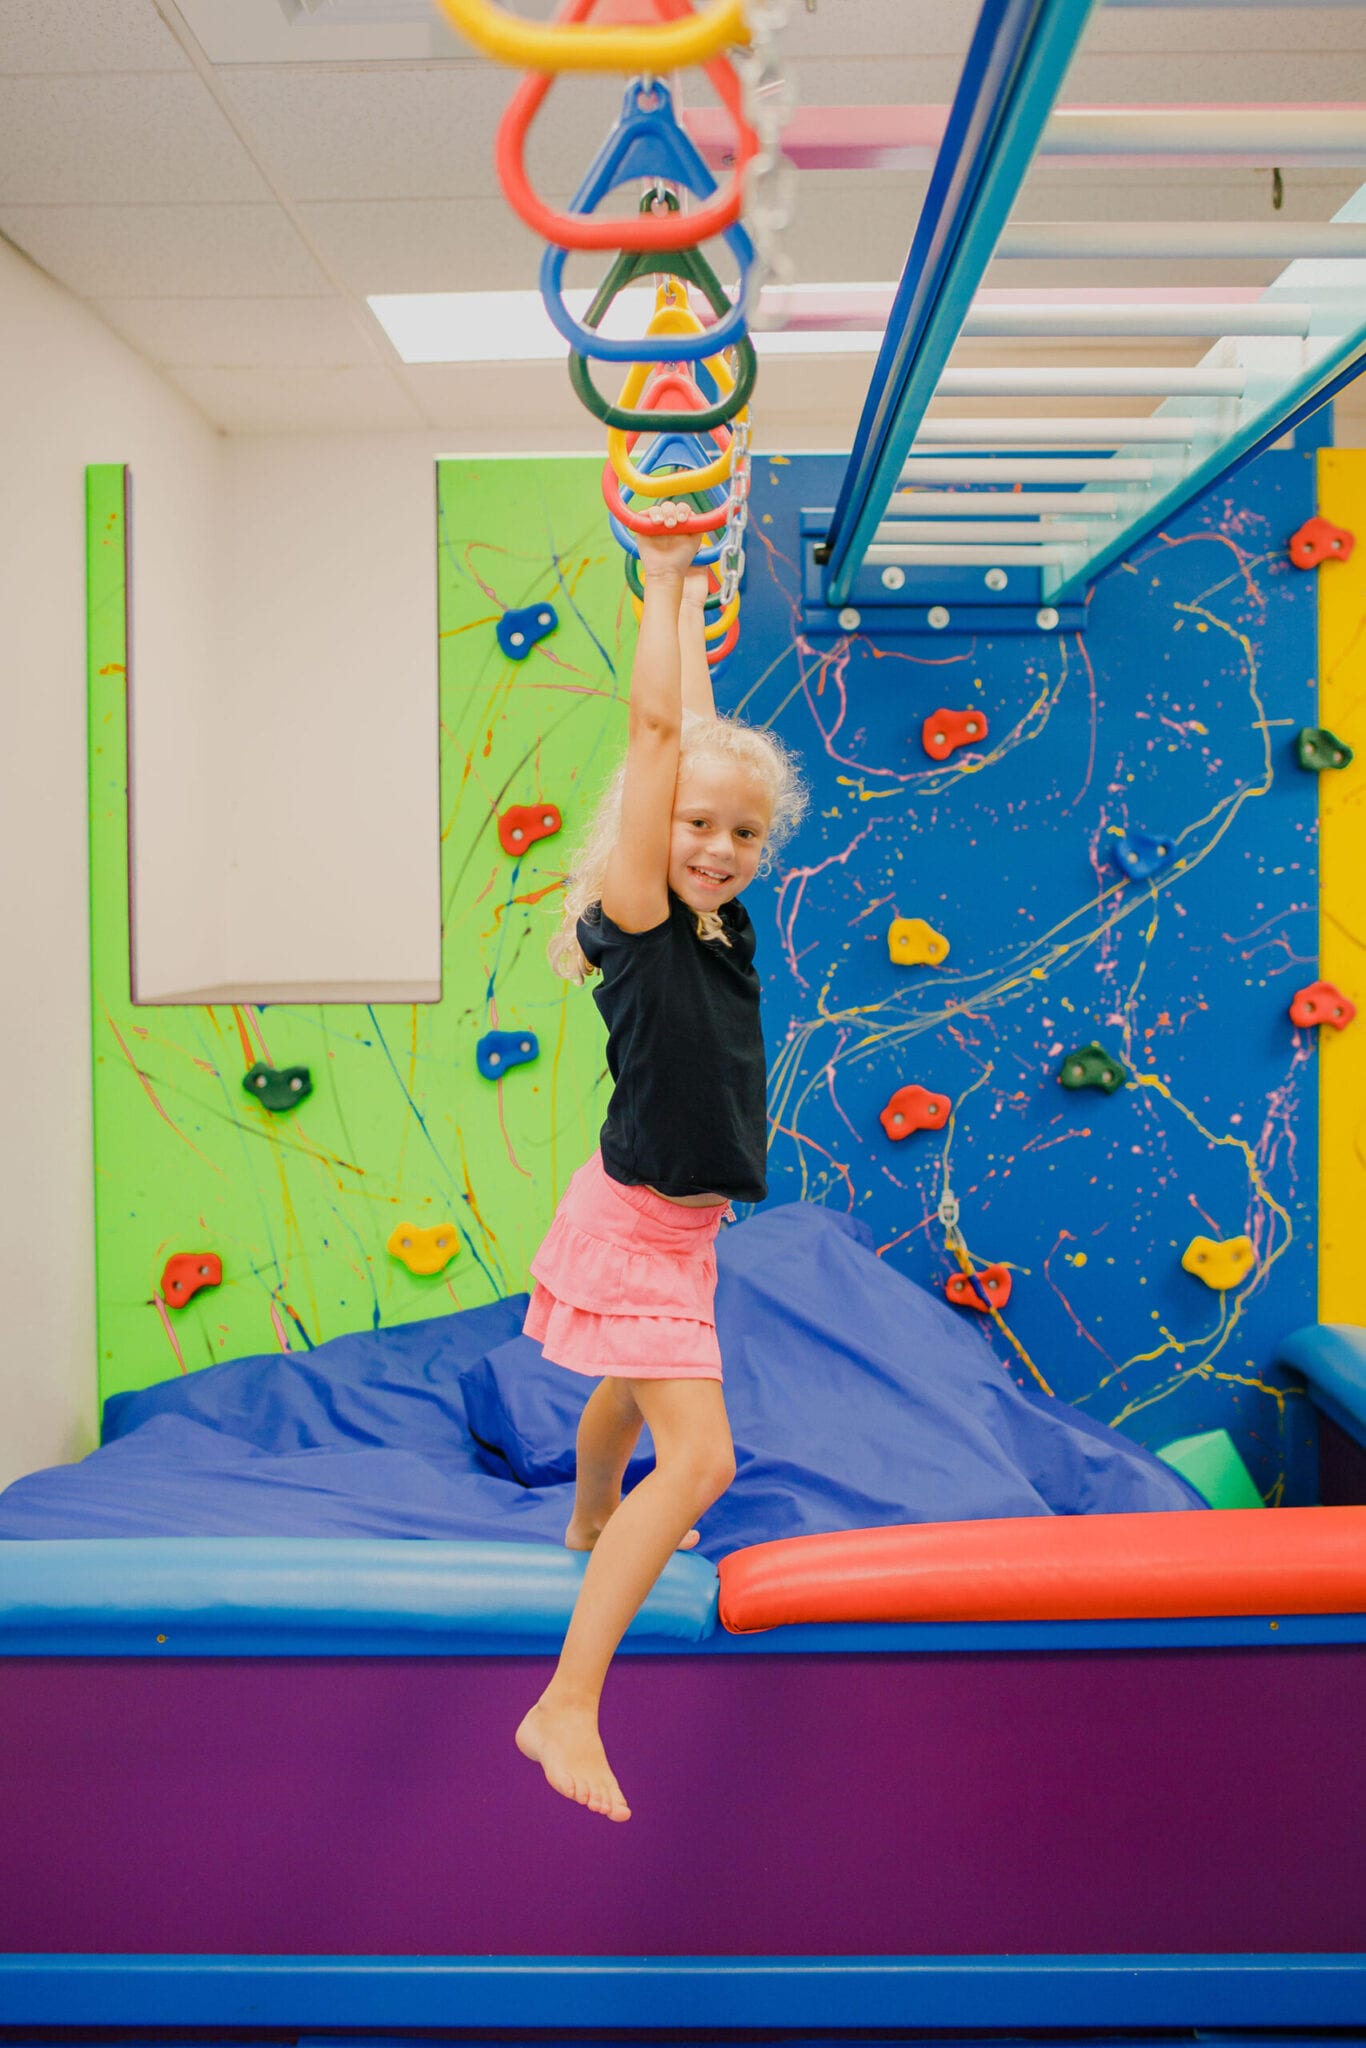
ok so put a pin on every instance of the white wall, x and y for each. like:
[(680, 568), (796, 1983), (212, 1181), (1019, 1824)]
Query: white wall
[(73, 394)]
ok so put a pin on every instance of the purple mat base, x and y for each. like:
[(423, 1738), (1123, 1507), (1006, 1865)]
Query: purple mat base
[(1171, 1802)]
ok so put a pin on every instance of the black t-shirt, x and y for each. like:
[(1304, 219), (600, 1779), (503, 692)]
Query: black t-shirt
[(685, 1048)]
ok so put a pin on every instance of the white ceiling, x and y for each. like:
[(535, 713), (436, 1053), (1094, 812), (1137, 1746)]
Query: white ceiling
[(224, 181)]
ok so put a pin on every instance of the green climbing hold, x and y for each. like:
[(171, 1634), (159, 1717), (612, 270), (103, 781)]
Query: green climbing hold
[(1091, 1066), (277, 1088), (1318, 748)]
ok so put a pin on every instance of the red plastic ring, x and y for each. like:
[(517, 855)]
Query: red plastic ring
[(695, 522), (637, 230)]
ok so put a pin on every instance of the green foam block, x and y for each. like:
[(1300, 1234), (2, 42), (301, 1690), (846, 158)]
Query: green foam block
[(1212, 1465)]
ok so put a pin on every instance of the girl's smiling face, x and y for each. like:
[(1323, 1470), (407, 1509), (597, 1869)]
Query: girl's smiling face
[(720, 823)]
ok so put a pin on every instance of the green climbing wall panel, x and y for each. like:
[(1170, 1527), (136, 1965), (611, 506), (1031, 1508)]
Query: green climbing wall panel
[(399, 1126)]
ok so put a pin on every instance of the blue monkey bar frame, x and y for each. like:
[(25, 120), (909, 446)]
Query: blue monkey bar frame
[(1012, 74)]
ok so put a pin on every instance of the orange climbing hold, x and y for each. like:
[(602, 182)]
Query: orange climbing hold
[(524, 824), (944, 731), (1321, 1003), (994, 1281), (1318, 540), (186, 1272), (914, 1109)]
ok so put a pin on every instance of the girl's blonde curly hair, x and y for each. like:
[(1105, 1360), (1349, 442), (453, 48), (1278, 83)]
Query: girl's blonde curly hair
[(720, 741)]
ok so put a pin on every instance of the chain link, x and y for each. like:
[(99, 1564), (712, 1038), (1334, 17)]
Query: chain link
[(731, 560), (770, 177)]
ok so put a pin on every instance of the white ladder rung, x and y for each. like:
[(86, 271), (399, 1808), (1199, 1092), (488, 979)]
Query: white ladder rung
[(1002, 504), (1090, 383), (1046, 469), (978, 532), (1252, 135), (1048, 432), (1138, 317), (1155, 240)]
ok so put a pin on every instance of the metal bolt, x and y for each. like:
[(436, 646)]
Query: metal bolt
[(1046, 619), (892, 579), (938, 617), (996, 579), (850, 619)]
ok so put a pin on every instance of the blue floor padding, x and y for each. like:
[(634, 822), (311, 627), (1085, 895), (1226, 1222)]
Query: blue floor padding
[(856, 1399)]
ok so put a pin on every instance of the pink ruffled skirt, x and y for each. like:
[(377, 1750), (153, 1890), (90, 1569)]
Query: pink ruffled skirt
[(626, 1283)]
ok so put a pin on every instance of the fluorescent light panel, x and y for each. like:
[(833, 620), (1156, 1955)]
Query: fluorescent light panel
[(514, 327)]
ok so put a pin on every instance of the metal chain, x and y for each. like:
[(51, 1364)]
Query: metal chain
[(731, 560), (770, 177)]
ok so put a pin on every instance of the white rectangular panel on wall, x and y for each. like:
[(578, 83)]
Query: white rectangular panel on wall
[(318, 834)]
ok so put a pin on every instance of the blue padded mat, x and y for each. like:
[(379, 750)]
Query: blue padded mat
[(856, 1398)]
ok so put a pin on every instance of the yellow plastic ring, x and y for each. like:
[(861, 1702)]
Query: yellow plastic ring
[(669, 318), (671, 46), (677, 481)]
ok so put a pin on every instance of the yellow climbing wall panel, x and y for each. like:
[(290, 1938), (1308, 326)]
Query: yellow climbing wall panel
[(1342, 899)]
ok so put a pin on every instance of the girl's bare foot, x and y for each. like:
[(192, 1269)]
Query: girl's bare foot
[(565, 1742), (582, 1535)]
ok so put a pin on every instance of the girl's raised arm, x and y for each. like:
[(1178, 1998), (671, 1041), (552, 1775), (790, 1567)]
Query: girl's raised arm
[(692, 646), (635, 889)]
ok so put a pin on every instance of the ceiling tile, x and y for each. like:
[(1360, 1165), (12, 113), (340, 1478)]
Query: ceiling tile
[(86, 35), (409, 132), (245, 333), (263, 32), (872, 28), (312, 401), (1215, 31), (129, 137), (1158, 73), (896, 79), (130, 252), (424, 245)]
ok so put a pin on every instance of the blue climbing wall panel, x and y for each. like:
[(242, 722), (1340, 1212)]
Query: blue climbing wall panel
[(1174, 714)]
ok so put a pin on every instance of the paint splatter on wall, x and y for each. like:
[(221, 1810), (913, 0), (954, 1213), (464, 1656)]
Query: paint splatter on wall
[(1172, 715)]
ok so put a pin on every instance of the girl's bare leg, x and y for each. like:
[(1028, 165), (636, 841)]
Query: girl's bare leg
[(695, 1463), (608, 1430)]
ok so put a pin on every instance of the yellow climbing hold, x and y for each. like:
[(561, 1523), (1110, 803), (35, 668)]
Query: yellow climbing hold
[(424, 1251), (913, 943), (1219, 1265)]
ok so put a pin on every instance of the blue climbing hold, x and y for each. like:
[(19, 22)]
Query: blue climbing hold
[(519, 631), (1142, 854), (499, 1050)]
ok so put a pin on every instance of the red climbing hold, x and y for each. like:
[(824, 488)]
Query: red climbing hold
[(1321, 1003), (961, 1288), (945, 730), (1318, 540), (186, 1273), (914, 1109), (524, 824)]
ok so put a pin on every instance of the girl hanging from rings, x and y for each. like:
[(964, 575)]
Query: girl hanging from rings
[(626, 1276)]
